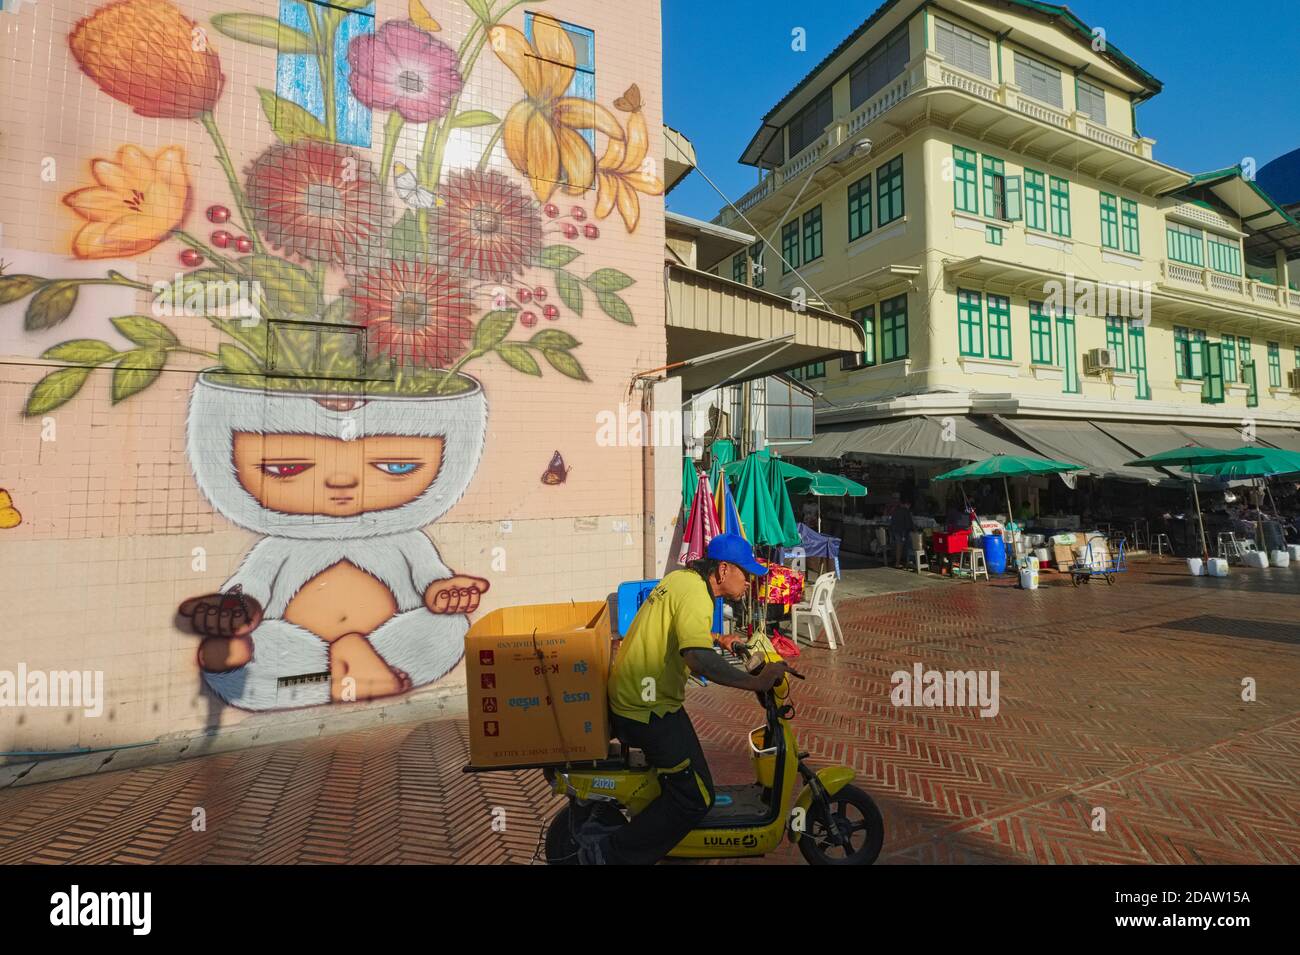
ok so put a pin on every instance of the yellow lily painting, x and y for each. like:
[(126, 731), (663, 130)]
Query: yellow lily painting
[(137, 201), (541, 131), (623, 171)]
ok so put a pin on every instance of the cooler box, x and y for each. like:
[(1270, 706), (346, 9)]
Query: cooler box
[(951, 542), (535, 684)]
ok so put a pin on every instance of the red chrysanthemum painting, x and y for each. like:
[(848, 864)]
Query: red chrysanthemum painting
[(488, 229), (414, 312), (317, 200)]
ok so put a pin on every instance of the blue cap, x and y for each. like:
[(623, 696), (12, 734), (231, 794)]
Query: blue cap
[(734, 549)]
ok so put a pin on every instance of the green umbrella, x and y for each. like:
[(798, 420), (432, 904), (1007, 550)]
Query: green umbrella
[(1191, 456), (781, 504), (754, 504), (1271, 462), (1008, 466), (690, 480)]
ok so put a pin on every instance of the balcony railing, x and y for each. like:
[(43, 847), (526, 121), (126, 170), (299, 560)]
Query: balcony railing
[(1232, 285), (928, 70)]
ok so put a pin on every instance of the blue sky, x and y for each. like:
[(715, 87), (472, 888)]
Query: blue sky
[(727, 62)]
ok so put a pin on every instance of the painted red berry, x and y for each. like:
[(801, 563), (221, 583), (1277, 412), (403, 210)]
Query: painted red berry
[(570, 230), (525, 295), (551, 312), (528, 319), (221, 238), (244, 245), (551, 210), (590, 231), (578, 213), (218, 214), (539, 293), (190, 258)]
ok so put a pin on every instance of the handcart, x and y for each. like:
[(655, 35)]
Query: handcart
[(1082, 571)]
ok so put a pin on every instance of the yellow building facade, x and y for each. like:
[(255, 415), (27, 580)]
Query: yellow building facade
[(966, 180)]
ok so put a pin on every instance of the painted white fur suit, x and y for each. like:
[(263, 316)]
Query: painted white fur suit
[(389, 544)]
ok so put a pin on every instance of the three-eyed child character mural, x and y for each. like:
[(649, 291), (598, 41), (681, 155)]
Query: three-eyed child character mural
[(336, 417)]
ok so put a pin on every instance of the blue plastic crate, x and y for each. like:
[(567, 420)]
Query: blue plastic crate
[(631, 594)]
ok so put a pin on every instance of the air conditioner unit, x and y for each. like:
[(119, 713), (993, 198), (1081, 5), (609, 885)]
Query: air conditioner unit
[(1098, 360), (1293, 379)]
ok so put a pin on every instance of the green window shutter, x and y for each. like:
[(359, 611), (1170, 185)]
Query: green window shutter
[(1212, 383), (1040, 335), (860, 208), (1109, 221), (1198, 364), (1060, 206), (740, 267), (1186, 244), (1115, 341), (970, 324), (1067, 353), (812, 234), (1129, 226), (790, 246), (965, 193), (1225, 254), (999, 310), (1035, 200), (866, 317), (1229, 351), (1248, 376), (893, 329), (1138, 355), (1274, 365), (1015, 206), (995, 188), (889, 191)]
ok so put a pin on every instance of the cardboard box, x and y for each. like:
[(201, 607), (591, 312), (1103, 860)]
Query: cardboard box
[(1062, 556), (535, 682)]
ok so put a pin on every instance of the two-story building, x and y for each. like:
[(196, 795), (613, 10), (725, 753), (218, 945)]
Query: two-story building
[(968, 180)]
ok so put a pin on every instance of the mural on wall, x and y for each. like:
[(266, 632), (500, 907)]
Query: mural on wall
[(338, 416), (9, 516)]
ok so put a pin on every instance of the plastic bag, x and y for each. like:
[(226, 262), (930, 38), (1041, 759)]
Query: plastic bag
[(785, 646)]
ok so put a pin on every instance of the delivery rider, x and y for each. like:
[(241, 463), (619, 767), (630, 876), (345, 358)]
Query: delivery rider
[(670, 635)]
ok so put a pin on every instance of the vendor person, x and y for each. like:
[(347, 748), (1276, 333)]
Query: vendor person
[(647, 688), (900, 529)]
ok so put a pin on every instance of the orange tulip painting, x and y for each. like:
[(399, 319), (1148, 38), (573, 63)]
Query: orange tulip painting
[(149, 55), (540, 131), (137, 201)]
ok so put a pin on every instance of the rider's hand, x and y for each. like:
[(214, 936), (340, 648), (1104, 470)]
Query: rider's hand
[(771, 675)]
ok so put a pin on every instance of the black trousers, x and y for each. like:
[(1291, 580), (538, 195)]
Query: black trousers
[(671, 746)]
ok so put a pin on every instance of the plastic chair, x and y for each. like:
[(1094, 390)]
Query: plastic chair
[(819, 609), (796, 558)]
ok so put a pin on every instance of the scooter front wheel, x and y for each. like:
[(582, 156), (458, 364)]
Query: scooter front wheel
[(859, 824)]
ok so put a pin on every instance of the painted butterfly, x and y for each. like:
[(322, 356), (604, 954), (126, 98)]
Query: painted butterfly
[(9, 516), (630, 101), (556, 471)]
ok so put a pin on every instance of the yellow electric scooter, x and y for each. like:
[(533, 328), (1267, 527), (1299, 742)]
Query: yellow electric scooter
[(832, 822)]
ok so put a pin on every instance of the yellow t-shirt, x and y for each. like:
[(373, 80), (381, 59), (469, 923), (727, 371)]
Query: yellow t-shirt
[(677, 615)]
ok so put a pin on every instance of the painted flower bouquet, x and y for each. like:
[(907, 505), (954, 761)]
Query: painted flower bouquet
[(331, 274)]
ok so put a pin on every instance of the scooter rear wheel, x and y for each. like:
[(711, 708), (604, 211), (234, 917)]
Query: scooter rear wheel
[(561, 847), (855, 815)]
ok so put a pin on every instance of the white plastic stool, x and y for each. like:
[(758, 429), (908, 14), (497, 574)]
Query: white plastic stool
[(976, 563)]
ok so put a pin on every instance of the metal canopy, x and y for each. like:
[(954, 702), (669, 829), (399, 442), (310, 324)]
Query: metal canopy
[(707, 313)]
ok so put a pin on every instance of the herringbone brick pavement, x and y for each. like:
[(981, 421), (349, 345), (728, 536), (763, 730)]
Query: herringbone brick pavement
[(1123, 702)]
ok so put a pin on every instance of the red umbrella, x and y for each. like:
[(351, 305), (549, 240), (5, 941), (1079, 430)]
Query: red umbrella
[(701, 525)]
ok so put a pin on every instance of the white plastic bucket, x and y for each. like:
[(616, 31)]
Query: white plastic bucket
[(1294, 551), (1280, 558), (1029, 579), (1255, 558), (1195, 566), (1218, 567)]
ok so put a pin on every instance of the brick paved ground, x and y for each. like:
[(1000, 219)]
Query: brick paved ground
[(1125, 698)]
